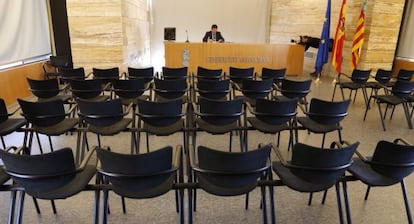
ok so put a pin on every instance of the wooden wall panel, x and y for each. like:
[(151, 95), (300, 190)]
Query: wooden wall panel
[(383, 19)]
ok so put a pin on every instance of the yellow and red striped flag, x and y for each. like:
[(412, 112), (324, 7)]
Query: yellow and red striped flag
[(358, 40), (339, 39)]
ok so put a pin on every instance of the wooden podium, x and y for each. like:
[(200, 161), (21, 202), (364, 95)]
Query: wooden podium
[(224, 55)]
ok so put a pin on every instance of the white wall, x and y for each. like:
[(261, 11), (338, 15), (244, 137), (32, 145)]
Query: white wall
[(405, 44), (239, 21)]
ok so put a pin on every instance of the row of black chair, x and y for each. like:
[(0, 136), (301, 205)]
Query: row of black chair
[(311, 169)]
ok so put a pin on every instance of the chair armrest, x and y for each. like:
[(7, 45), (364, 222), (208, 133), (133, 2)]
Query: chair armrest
[(405, 142), (249, 107), (362, 157), (177, 156), (235, 85), (302, 108), (86, 159)]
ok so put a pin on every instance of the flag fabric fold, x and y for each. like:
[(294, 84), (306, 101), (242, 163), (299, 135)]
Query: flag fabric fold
[(339, 39), (323, 49), (358, 40)]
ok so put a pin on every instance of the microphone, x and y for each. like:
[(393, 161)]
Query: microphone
[(186, 31)]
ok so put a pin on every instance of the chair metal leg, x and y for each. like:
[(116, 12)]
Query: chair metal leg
[(147, 135), (310, 199), (50, 143), (264, 210), (406, 202), (346, 199), (246, 202), (338, 199), (325, 193), (105, 207), (38, 142), (20, 208), (12, 207), (123, 205), (230, 142), (36, 205), (333, 94), (323, 139), (96, 207), (381, 116), (407, 115), (53, 206), (2, 141), (367, 193)]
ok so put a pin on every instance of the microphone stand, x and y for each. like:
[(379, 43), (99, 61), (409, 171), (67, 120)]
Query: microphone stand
[(187, 41)]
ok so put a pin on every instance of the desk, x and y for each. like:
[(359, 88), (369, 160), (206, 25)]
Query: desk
[(224, 55)]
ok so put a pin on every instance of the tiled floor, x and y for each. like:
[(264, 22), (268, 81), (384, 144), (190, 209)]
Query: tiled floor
[(385, 205)]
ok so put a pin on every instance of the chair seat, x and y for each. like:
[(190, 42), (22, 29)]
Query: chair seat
[(10, 125), (165, 130), (296, 183), (267, 128), (134, 101), (210, 187), (216, 129), (350, 85), (131, 189), (76, 185), (111, 129), (367, 175), (60, 128), (64, 98), (390, 99), (317, 127)]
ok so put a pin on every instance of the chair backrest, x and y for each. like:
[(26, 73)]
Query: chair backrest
[(106, 75), (147, 74), (292, 88), (360, 76), (44, 88), (170, 88), (402, 89), (238, 74), (393, 160), (321, 165), (101, 113), (3, 111), (328, 112), (275, 112), (234, 173), (59, 61), (255, 89), (160, 113), (137, 176), (174, 73), (40, 173), (383, 76), (276, 74), (130, 88), (220, 112), (86, 89), (206, 73), (213, 89), (404, 74), (68, 74), (43, 114)]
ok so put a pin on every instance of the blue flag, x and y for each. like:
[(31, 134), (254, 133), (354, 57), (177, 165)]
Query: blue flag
[(322, 57)]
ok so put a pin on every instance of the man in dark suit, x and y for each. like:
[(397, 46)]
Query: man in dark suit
[(213, 35)]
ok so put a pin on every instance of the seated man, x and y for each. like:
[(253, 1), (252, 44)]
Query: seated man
[(213, 35)]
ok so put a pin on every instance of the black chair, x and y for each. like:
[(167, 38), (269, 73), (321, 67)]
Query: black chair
[(212, 89), (8, 124), (276, 74), (48, 118), (400, 95), (67, 74), (49, 176), (253, 89), (141, 176), (390, 164), (53, 67), (228, 173), (174, 73), (312, 169), (105, 118), (106, 74), (405, 75), (273, 117), (146, 74), (161, 119), (218, 117), (295, 89), (170, 89), (90, 90), (356, 81), (382, 79), (236, 74), (208, 73), (324, 117), (48, 89)]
